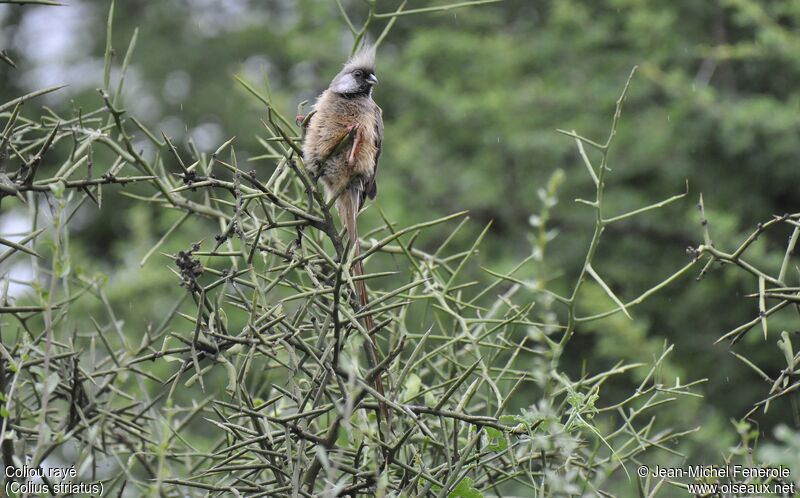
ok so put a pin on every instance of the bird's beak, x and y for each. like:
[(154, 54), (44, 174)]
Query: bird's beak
[(372, 79)]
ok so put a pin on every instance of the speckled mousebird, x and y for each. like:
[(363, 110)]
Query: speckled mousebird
[(342, 146)]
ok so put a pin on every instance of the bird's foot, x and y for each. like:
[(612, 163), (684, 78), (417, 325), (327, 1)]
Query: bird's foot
[(299, 119), (317, 172)]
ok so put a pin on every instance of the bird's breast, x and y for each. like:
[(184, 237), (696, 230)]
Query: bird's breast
[(334, 118)]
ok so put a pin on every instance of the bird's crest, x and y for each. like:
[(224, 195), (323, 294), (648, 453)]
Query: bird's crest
[(364, 58)]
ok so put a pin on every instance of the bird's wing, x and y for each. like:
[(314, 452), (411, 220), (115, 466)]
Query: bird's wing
[(371, 186)]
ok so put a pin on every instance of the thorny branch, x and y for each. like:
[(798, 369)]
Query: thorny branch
[(268, 307)]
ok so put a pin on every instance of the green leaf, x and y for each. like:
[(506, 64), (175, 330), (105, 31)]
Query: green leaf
[(413, 383), (52, 382), (465, 489), (231, 371), (343, 439), (497, 439)]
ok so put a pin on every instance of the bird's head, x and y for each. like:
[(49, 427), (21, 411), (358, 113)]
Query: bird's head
[(357, 77)]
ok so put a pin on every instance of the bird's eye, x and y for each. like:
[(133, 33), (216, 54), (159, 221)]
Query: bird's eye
[(357, 73)]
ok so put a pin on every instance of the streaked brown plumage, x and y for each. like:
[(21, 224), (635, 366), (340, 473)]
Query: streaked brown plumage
[(345, 114), (347, 106)]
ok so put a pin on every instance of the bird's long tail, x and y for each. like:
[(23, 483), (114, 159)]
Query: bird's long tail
[(347, 204)]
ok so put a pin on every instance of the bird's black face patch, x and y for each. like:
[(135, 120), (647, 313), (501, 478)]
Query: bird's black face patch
[(355, 83)]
